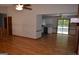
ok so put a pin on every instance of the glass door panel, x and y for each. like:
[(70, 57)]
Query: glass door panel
[(63, 25), (60, 25)]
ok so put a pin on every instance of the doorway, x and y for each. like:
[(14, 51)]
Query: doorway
[(63, 25), (55, 24)]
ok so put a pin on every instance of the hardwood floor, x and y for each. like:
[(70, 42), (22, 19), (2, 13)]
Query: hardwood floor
[(49, 45)]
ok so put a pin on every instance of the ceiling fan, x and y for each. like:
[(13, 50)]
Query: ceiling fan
[(23, 6)]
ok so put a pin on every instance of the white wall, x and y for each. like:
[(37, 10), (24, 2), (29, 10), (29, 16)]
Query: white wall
[(25, 22), (51, 22), (39, 26), (53, 27)]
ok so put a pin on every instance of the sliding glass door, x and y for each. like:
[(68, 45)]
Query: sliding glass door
[(63, 25)]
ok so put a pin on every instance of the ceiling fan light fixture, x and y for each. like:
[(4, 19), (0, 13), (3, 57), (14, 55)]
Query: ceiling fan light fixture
[(19, 7)]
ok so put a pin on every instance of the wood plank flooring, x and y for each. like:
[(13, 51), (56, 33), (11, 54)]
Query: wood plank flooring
[(49, 45)]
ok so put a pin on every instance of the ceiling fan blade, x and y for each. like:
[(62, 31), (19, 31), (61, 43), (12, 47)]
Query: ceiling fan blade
[(27, 8), (27, 4)]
